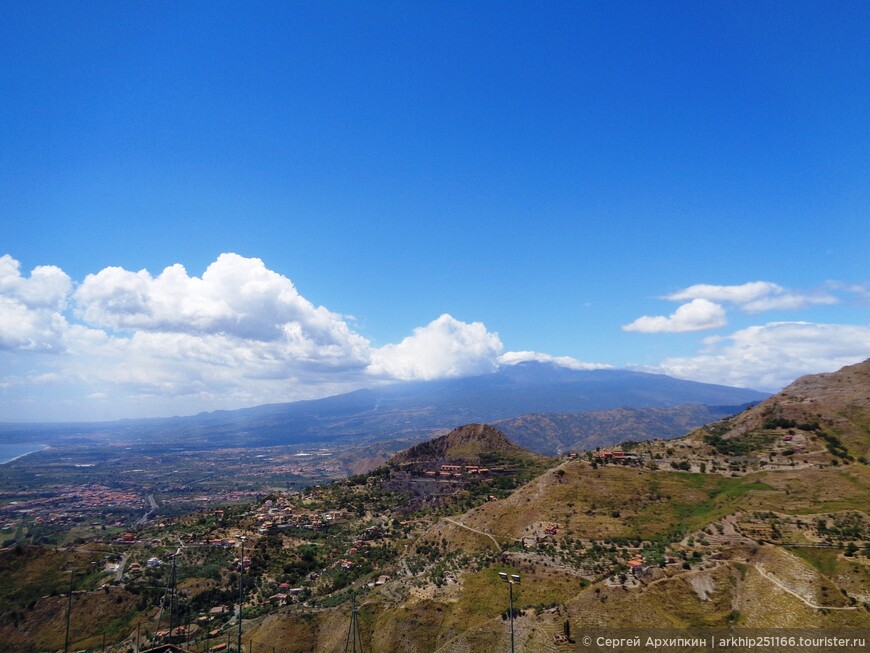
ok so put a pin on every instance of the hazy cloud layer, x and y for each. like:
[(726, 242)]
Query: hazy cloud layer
[(754, 297), (514, 357)]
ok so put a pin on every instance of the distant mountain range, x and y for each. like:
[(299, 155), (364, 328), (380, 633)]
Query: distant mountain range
[(412, 410)]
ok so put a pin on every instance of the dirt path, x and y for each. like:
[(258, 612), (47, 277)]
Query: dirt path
[(474, 530), (776, 581)]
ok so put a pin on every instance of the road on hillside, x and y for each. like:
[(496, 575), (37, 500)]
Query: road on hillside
[(119, 575), (474, 530)]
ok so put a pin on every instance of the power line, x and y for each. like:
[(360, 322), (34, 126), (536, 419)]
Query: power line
[(353, 643)]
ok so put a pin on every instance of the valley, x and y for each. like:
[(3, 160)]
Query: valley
[(757, 520)]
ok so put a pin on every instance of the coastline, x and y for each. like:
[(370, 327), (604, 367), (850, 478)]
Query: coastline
[(39, 447)]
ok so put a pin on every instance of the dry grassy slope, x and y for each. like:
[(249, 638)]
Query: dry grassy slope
[(315, 631), (583, 502), (465, 617), (762, 588), (839, 402), (759, 586), (813, 490), (707, 597), (43, 627), (607, 502), (30, 618)]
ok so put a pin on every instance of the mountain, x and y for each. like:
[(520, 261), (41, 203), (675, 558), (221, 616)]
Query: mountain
[(729, 527), (557, 433), (820, 416), (472, 444), (412, 409), (463, 468), (764, 536)]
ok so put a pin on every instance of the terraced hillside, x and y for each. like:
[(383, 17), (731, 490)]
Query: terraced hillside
[(759, 520)]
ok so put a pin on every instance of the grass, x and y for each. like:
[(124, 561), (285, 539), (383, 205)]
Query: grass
[(813, 490), (826, 561), (620, 502), (723, 495)]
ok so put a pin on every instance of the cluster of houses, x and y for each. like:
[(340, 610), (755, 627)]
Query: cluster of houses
[(617, 455), (70, 504), (457, 471), (285, 594), (274, 517)]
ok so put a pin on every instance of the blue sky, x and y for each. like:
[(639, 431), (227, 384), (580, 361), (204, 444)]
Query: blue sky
[(344, 194)]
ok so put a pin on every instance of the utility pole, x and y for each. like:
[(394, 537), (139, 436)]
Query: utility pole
[(510, 580), (68, 612), (172, 600), (353, 635), (241, 590)]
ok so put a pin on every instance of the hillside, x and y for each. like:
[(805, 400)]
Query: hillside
[(554, 433), (749, 540), (821, 417), (476, 444), (460, 469), (685, 533)]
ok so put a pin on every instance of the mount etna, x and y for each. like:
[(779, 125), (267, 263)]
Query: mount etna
[(419, 409)]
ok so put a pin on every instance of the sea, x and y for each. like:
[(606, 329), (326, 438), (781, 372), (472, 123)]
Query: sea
[(9, 452)]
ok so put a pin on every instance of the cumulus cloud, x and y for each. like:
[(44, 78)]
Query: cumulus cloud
[(240, 334), (754, 296), (445, 347), (134, 343), (770, 356), (236, 296), (47, 287), (515, 357), (697, 315), (30, 307)]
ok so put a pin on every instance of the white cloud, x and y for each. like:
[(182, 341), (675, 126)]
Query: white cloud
[(445, 347), (770, 356), (754, 296), (235, 296), (238, 335), (30, 308), (515, 357), (47, 286), (134, 344), (697, 315)]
